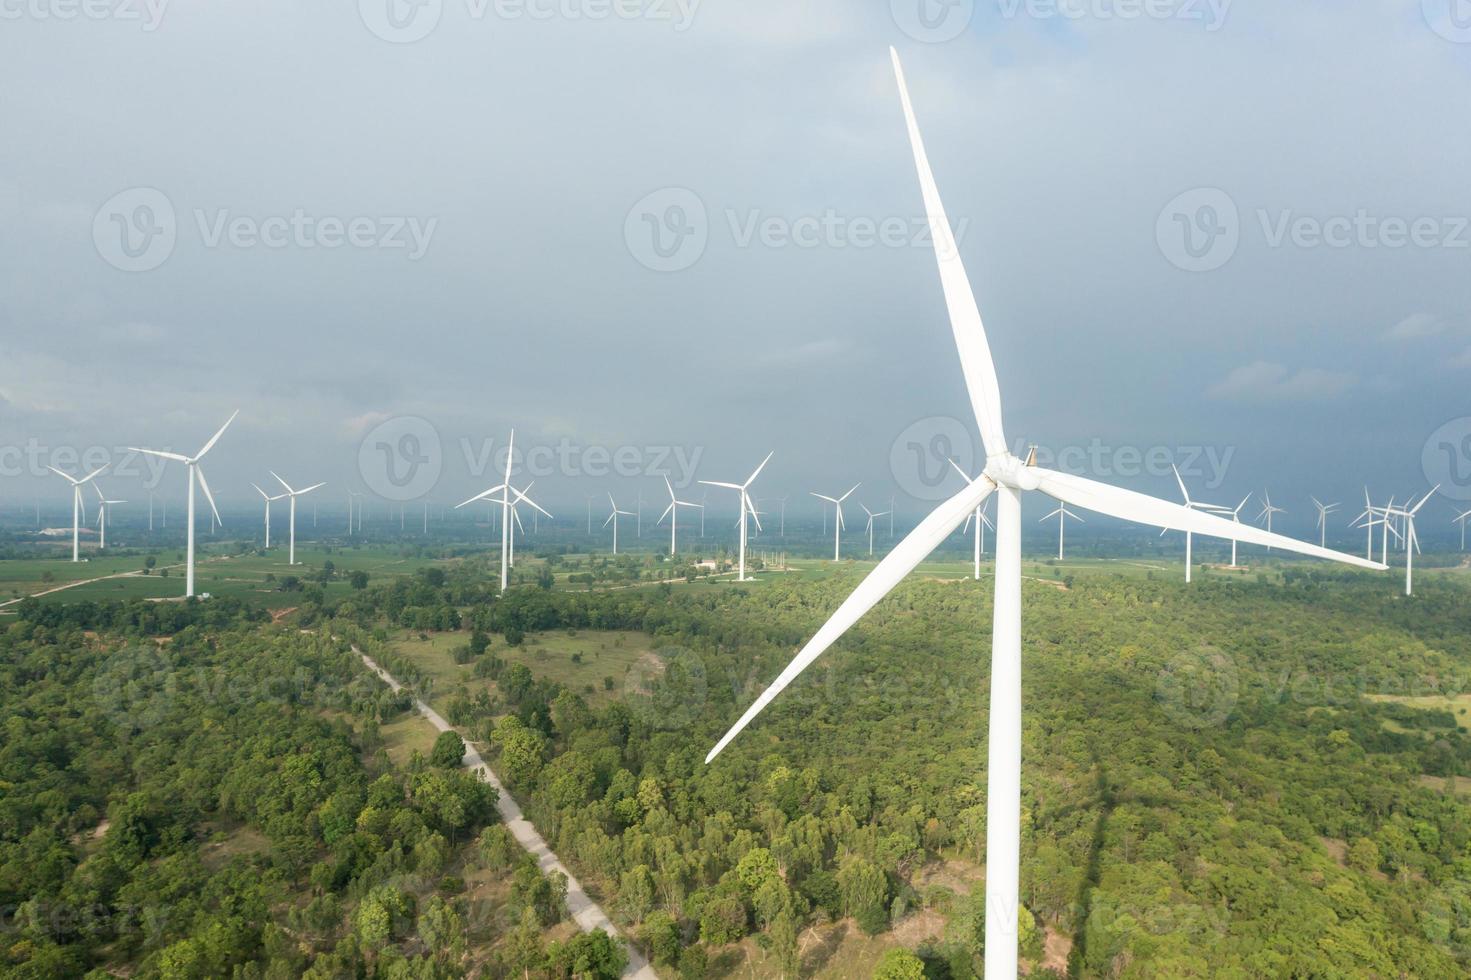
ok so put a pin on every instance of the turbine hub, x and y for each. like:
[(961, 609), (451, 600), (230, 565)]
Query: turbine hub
[(1010, 471)]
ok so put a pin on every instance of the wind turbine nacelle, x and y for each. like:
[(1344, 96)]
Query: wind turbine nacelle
[(1009, 471)]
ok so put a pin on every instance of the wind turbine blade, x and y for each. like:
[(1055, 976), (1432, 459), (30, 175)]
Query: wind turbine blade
[(479, 496), (610, 518), (216, 437), (1183, 492), (1413, 510), (849, 493), (262, 492), (754, 516), (759, 469), (204, 485), (314, 486), (915, 547), (956, 466), (283, 482), (159, 452), (1142, 509), (69, 478), (820, 496), (666, 513), (517, 515), (671, 489), (965, 315), (728, 486), (98, 472)]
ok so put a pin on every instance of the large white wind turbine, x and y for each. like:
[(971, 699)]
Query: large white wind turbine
[(838, 525), (871, 516), (268, 498), (522, 498), (746, 508), (1323, 511), (672, 512), (292, 495), (103, 507), (195, 474), (1007, 477), (613, 519), (1062, 514), (79, 508), (505, 490)]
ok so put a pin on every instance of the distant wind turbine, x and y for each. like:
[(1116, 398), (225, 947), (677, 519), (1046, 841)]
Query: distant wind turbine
[(1062, 514), (672, 512), (837, 503), (743, 489), (1461, 520), (195, 474), (1323, 511), (79, 507), (1195, 505), (1008, 477), (268, 498), (292, 494), (1412, 541), (504, 489), (982, 522), (103, 507), (522, 498), (1267, 511), (871, 516), (613, 519)]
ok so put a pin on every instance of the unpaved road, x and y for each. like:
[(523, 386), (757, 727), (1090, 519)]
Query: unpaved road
[(585, 912)]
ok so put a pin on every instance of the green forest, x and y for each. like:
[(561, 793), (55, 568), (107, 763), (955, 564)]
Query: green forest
[(1246, 777)]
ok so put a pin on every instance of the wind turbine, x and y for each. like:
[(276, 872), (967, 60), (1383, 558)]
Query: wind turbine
[(871, 516), (1323, 511), (1062, 514), (103, 504), (79, 508), (1193, 505), (982, 522), (672, 512), (613, 518), (268, 498), (504, 489), (522, 498), (1236, 519), (1268, 510), (1412, 541), (1006, 476), (742, 488), (292, 494), (1367, 517), (837, 503), (1461, 520), (195, 475)]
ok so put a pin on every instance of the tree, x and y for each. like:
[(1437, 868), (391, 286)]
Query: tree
[(448, 751), (358, 580), (865, 891), (636, 892), (898, 964), (588, 956)]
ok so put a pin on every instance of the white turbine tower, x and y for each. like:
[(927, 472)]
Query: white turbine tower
[(292, 495), (1062, 514), (613, 519), (838, 525), (746, 508), (268, 498), (1006, 476), (1323, 511), (79, 508), (195, 474), (505, 490), (1236, 519), (672, 512), (871, 516), (1412, 541), (103, 506), (982, 522), (1189, 537)]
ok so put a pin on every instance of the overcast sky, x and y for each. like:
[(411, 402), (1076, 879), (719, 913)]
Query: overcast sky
[(1236, 231)]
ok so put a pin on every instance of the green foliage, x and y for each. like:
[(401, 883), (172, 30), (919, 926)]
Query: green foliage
[(899, 964), (448, 751)]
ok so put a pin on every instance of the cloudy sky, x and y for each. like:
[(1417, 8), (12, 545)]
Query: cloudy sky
[(670, 234)]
